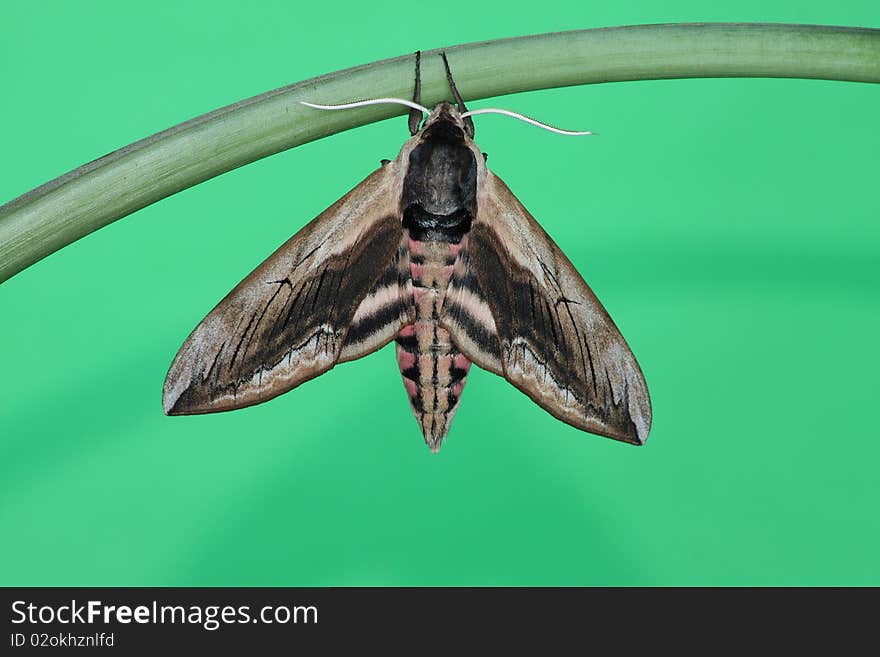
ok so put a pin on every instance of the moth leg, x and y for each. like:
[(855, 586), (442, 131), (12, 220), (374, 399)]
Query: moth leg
[(468, 121), (415, 116)]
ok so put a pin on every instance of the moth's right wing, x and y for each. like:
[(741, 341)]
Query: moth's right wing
[(516, 306), (329, 294)]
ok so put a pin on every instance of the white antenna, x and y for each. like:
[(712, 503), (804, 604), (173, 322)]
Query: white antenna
[(371, 101), (521, 117), (425, 110)]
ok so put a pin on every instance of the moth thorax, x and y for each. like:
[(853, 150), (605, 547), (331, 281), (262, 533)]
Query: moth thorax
[(439, 189)]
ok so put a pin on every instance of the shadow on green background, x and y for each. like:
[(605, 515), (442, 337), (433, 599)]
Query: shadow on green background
[(729, 226)]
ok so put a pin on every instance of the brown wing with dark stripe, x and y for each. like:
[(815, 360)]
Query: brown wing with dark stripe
[(287, 322), (467, 316), (384, 311), (555, 341)]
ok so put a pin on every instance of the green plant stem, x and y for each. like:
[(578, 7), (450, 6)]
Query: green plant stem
[(96, 194)]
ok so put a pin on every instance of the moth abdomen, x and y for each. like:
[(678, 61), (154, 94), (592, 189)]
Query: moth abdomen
[(434, 371)]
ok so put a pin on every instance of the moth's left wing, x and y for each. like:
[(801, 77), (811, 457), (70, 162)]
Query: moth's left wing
[(329, 294), (517, 307)]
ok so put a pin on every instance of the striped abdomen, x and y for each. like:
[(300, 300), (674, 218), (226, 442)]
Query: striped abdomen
[(433, 370)]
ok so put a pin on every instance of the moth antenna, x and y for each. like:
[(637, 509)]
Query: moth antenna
[(469, 123), (415, 116), (370, 101), (521, 117)]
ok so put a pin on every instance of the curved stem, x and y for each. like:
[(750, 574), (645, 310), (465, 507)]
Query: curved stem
[(96, 194)]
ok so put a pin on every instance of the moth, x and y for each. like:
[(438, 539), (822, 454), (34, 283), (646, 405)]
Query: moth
[(434, 251)]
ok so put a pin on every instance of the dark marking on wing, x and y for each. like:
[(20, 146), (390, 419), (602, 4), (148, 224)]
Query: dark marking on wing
[(384, 311), (467, 317)]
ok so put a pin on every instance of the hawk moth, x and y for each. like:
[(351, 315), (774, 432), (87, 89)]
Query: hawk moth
[(434, 251)]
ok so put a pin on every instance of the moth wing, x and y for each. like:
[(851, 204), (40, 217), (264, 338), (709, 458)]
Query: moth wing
[(468, 316), (554, 340), (288, 320)]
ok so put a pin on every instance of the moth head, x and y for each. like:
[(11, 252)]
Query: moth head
[(446, 120)]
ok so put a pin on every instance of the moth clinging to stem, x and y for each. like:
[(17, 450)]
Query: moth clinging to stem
[(434, 251)]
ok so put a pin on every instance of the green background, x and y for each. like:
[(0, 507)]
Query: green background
[(729, 226)]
